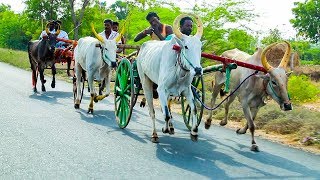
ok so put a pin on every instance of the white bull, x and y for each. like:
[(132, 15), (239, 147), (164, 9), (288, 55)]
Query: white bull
[(253, 92), (172, 70), (96, 57)]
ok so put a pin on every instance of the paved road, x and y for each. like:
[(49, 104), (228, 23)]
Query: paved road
[(43, 137)]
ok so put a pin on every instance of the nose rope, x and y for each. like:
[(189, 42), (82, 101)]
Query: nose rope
[(275, 93), (105, 56), (182, 52)]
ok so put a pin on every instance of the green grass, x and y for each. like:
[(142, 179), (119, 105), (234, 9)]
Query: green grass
[(16, 58)]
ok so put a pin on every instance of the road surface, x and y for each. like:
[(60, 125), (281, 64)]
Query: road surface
[(43, 137)]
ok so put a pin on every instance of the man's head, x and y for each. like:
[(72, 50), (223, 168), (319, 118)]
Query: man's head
[(115, 26), (186, 24), (107, 24), (153, 19)]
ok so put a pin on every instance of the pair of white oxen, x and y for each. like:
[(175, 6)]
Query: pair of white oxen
[(173, 71)]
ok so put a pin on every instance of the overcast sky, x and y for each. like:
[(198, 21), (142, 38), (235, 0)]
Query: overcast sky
[(273, 13)]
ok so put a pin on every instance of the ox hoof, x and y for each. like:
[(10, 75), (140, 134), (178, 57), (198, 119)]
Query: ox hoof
[(254, 148), (155, 95), (43, 89), (194, 138), (143, 102), (207, 123), (95, 99), (240, 131), (44, 81), (90, 111), (77, 106), (53, 85), (165, 130), (35, 90), (154, 138), (171, 130), (223, 123)]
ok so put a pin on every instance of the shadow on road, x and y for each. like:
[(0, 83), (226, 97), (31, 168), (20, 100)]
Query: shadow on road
[(51, 96), (107, 118), (204, 158)]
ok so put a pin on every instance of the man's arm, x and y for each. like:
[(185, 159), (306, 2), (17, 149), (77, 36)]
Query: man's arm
[(156, 32), (143, 34), (169, 30)]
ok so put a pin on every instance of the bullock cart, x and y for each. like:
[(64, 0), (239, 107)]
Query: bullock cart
[(128, 87)]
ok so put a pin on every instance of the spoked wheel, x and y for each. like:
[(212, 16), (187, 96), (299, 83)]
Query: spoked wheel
[(124, 93), (186, 111), (136, 82), (74, 80)]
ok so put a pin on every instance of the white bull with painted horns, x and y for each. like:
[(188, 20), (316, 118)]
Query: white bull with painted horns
[(96, 56), (253, 92), (172, 71)]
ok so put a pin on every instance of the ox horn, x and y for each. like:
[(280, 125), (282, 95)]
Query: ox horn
[(98, 36), (286, 56), (47, 29), (264, 61), (176, 24), (199, 26)]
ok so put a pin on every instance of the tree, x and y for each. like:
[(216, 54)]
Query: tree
[(77, 16), (242, 40), (274, 36), (216, 16), (46, 9), (307, 19), (4, 7), (13, 33), (120, 9)]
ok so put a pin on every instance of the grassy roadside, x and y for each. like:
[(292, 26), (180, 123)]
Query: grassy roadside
[(16, 58), (299, 128)]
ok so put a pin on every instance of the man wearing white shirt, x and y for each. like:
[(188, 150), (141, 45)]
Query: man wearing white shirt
[(62, 34), (108, 33)]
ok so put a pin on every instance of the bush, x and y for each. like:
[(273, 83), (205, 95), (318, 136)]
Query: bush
[(302, 90), (267, 114), (283, 126)]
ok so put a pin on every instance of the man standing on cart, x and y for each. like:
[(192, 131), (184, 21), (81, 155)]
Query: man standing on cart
[(157, 30)]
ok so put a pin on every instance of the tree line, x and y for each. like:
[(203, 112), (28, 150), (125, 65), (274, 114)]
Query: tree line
[(17, 29)]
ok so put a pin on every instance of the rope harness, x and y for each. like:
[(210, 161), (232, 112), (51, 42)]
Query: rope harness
[(274, 92), (180, 52), (105, 56), (208, 108)]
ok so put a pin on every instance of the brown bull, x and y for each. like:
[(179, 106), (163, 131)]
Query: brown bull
[(253, 92), (41, 55)]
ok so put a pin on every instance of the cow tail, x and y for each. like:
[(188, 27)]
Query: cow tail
[(29, 54)]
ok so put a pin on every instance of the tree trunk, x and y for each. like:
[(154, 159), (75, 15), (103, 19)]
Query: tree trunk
[(77, 20)]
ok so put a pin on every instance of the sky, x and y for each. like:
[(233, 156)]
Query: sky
[(273, 13)]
